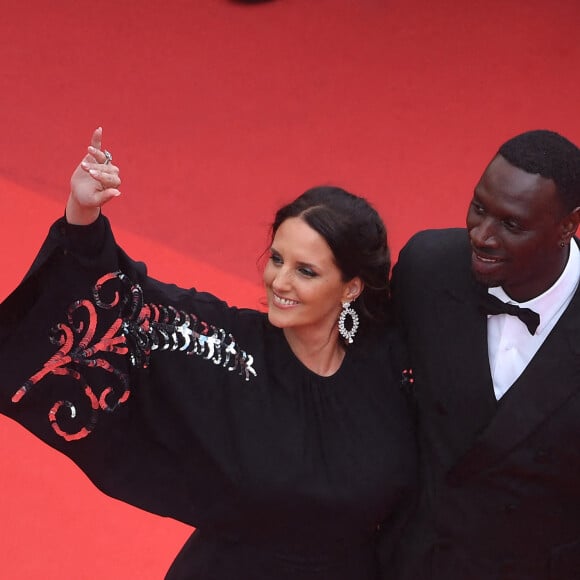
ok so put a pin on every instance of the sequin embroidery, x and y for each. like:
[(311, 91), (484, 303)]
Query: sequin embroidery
[(137, 330)]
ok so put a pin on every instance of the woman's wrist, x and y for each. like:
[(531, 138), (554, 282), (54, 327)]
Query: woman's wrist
[(79, 215)]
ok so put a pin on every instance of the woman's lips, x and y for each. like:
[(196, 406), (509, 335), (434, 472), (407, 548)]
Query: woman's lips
[(283, 302)]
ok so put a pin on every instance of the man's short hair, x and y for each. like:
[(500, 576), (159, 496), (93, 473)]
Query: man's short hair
[(550, 155)]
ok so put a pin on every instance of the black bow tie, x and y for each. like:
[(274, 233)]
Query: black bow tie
[(490, 304)]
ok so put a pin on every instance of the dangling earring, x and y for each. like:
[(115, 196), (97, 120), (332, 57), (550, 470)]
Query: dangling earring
[(348, 335)]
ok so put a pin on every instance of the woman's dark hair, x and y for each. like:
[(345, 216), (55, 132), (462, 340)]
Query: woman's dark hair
[(357, 237)]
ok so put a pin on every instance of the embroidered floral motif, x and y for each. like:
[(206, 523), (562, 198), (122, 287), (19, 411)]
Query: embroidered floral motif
[(137, 330)]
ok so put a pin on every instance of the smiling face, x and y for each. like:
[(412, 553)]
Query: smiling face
[(304, 286), (516, 225)]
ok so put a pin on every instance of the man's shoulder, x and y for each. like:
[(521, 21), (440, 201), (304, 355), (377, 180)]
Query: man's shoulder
[(434, 257), (444, 234), (433, 261), (436, 242)]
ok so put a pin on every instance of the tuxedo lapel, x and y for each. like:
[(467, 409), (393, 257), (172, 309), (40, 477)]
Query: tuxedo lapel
[(463, 331), (460, 339), (549, 380)]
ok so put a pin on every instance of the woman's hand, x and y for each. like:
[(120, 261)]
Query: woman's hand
[(93, 183)]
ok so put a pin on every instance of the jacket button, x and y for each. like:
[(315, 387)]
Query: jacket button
[(542, 456), (510, 508)]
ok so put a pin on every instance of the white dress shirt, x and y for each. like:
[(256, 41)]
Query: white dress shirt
[(510, 345)]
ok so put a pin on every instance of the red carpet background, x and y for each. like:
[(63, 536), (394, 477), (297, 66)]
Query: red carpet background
[(217, 112)]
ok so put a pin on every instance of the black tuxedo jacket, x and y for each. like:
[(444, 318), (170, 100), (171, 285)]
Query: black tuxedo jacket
[(501, 480)]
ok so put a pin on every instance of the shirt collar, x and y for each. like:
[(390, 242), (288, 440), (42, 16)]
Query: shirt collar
[(548, 304)]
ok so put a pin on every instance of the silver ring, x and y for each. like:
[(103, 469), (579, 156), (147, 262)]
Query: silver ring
[(108, 157)]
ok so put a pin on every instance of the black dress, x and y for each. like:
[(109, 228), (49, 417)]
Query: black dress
[(172, 401)]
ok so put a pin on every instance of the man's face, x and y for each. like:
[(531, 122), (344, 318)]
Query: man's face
[(516, 223)]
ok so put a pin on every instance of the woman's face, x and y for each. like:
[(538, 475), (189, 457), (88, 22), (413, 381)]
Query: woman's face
[(303, 284)]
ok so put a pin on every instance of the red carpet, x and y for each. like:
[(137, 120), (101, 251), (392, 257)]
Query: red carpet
[(218, 112)]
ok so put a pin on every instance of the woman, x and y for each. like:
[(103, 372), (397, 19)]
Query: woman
[(283, 438)]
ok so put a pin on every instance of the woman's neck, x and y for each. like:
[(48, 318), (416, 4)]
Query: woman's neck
[(322, 353)]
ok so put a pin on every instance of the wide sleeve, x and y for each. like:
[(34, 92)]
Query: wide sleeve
[(129, 377)]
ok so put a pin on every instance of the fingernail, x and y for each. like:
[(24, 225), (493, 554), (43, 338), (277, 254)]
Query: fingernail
[(94, 172)]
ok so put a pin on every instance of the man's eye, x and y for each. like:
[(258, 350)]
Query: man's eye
[(511, 226)]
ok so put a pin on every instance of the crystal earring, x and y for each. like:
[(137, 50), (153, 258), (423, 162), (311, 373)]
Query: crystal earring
[(348, 335)]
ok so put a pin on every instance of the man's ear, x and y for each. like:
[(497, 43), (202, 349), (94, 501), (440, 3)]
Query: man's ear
[(570, 225)]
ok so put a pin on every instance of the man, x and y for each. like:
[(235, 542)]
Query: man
[(498, 401)]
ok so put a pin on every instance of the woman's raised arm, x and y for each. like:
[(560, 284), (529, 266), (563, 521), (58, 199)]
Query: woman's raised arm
[(93, 183)]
